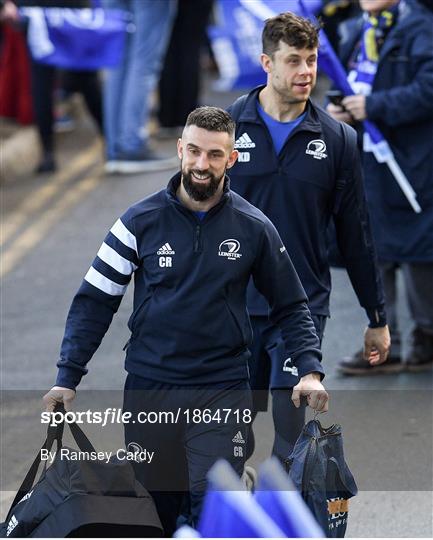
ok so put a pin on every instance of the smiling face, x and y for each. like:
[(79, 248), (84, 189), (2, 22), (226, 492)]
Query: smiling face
[(205, 157), (292, 72)]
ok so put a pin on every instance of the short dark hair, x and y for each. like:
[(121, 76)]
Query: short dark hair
[(212, 119), (291, 29)]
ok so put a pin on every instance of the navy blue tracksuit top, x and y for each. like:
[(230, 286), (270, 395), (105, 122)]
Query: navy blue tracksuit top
[(190, 324), (297, 190)]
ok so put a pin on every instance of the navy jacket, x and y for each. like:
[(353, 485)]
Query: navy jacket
[(401, 104), (190, 324), (316, 176)]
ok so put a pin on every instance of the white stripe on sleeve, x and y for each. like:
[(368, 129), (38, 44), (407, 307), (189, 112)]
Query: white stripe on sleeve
[(126, 237), (116, 261), (99, 281)]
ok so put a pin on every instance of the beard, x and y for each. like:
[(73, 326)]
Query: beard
[(287, 96), (201, 191), (290, 99)]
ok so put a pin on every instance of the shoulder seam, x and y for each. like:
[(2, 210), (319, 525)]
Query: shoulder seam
[(242, 212), (147, 211), (143, 212)]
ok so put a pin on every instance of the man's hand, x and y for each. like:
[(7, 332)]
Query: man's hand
[(338, 113), (376, 345), (58, 394), (310, 386), (355, 106)]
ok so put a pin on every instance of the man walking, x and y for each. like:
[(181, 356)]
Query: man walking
[(302, 169), (192, 249)]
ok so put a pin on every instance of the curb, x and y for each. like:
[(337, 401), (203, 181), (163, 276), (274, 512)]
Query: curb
[(19, 154)]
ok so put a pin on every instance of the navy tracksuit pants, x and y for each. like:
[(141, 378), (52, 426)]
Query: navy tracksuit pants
[(186, 443), (268, 353)]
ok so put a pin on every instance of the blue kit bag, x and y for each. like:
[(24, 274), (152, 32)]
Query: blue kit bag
[(320, 473)]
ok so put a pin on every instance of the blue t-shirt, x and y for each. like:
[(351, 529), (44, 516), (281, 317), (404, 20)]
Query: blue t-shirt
[(279, 130), (200, 215)]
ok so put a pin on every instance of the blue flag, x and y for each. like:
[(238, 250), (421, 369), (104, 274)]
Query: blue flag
[(236, 40), (231, 512), (374, 141), (82, 39), (277, 495)]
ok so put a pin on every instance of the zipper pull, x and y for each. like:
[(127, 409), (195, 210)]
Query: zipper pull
[(197, 238)]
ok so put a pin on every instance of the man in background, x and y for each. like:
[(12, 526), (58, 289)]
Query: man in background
[(302, 169)]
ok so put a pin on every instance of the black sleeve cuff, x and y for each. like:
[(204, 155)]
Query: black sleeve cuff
[(307, 363), (376, 317)]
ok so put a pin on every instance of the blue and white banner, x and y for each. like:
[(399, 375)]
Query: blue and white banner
[(83, 39), (277, 495), (231, 512), (236, 39), (374, 141)]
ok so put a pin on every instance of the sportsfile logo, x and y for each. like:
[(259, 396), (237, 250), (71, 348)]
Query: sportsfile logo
[(245, 141), (229, 248), (317, 149)]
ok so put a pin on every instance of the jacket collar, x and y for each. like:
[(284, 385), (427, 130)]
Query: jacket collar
[(395, 35), (174, 184), (352, 32), (250, 113)]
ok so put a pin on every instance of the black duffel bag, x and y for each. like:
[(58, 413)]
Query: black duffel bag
[(86, 498)]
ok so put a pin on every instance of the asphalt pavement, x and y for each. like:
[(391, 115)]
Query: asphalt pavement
[(52, 227)]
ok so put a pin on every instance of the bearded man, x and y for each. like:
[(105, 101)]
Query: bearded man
[(192, 249)]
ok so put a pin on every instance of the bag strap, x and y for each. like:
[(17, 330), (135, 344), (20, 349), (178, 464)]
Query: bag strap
[(54, 433), (81, 438), (236, 108)]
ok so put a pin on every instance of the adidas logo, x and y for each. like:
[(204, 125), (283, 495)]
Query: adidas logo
[(11, 525), (245, 141), (29, 494), (238, 439), (166, 249)]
